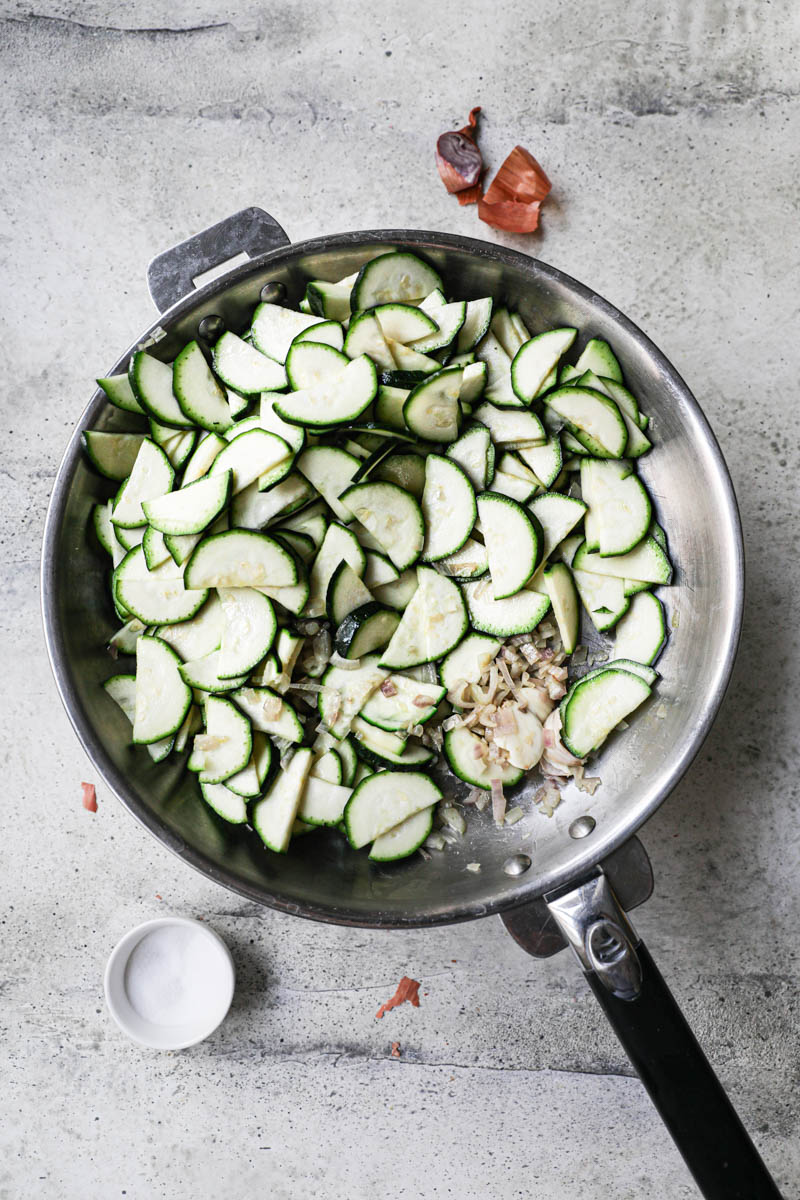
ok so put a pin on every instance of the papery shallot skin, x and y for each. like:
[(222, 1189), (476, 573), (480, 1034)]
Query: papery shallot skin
[(458, 158)]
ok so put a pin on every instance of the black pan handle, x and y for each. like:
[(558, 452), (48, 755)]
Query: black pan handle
[(172, 275), (657, 1038)]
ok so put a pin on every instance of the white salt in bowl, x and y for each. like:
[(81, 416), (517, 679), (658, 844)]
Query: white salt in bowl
[(169, 982)]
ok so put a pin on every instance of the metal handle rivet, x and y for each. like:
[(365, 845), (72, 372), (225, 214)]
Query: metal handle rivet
[(211, 328), (517, 864), (581, 827), (273, 293)]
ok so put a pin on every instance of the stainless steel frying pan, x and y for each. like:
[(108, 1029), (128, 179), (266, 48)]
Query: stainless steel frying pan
[(568, 880)]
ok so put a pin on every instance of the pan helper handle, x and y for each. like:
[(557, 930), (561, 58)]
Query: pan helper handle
[(660, 1044)]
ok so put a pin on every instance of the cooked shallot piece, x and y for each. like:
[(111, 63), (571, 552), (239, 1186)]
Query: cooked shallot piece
[(89, 797), (421, 702), (498, 802), (388, 688), (459, 161)]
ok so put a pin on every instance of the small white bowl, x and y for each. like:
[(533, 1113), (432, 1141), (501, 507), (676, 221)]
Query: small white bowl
[(169, 982)]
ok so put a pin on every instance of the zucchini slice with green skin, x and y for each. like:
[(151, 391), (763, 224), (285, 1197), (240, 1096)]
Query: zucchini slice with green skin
[(506, 427), (338, 400), (325, 742), (229, 742), (642, 633), (545, 461), (432, 410), (253, 456), (470, 562), (274, 815), (119, 392), (406, 380), (473, 382), (379, 569), (448, 317), (122, 690), (389, 406), (249, 782), (513, 485), (151, 382), (202, 458), (413, 757), (329, 300), (647, 563), (383, 801), (448, 508), (309, 364), (300, 543), (596, 705), (244, 368), (225, 802), (597, 356), (129, 538), (177, 445), (268, 712), (254, 509), (499, 390), (566, 604), (322, 802), (249, 631), (504, 618), (274, 328), (328, 766), (592, 418), (637, 444), (404, 322), (339, 545), (460, 747), (602, 596), (112, 454), (327, 333), (474, 453), (620, 505), (159, 601), (404, 839), (200, 397), (125, 639), (536, 359), (190, 509), (557, 515), (409, 362), (508, 332), (354, 689), (162, 697), (240, 558), (398, 593), (203, 674), (365, 336), (434, 621), (345, 594), (293, 435), (392, 515), (467, 663), (103, 528), (406, 470), (330, 470), (155, 548), (476, 323), (311, 520), (368, 628), (198, 637), (399, 708), (648, 674), (514, 543), (152, 475), (396, 278)]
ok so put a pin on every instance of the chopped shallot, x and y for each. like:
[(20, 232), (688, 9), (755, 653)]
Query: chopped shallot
[(474, 867), (388, 688), (347, 664), (498, 802), (421, 701), (89, 797)]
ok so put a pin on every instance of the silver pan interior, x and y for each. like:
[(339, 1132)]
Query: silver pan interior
[(321, 877)]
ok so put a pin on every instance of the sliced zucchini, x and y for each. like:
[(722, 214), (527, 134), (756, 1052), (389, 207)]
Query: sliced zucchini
[(499, 390), (514, 543), (382, 801), (177, 444), (473, 384), (505, 427), (339, 545), (470, 562), (225, 802), (345, 693), (151, 382), (274, 328), (474, 453), (254, 455), (345, 593), (227, 744), (467, 663), (293, 435), (323, 802), (334, 401), (365, 336), (463, 751), (254, 509), (642, 633), (240, 558), (152, 475), (244, 368), (162, 698), (274, 815), (448, 508), (620, 505), (311, 521), (545, 461), (513, 485), (191, 509), (309, 364), (432, 410), (392, 515), (379, 569), (448, 317), (203, 674), (404, 322), (249, 782), (202, 458), (397, 593), (328, 766), (536, 359), (389, 405), (328, 333), (269, 713), (401, 703), (596, 705), (506, 332), (406, 470), (647, 563), (330, 470), (558, 515), (566, 605), (396, 278), (637, 444), (412, 366), (249, 631), (434, 621), (404, 839), (476, 323), (602, 596), (328, 300), (113, 454), (158, 601), (592, 418), (199, 636), (119, 392), (103, 528), (368, 628), (505, 618), (154, 548), (200, 397), (125, 639), (597, 356)]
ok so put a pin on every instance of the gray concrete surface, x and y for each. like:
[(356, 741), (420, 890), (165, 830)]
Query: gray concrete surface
[(670, 133)]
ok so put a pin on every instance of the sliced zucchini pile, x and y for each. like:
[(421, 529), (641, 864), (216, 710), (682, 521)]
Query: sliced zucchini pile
[(326, 526)]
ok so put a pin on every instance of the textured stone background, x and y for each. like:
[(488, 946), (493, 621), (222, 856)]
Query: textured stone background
[(670, 131)]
